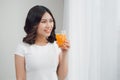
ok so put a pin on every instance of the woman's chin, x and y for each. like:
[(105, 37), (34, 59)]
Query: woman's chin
[(47, 35)]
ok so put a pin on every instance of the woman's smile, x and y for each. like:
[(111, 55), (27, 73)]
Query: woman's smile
[(47, 31)]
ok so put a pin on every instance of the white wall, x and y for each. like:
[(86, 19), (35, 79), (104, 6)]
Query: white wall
[(118, 49), (12, 18), (118, 57)]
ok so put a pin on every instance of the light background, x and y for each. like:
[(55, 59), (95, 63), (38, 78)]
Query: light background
[(12, 19)]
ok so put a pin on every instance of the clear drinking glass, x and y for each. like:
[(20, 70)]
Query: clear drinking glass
[(61, 37)]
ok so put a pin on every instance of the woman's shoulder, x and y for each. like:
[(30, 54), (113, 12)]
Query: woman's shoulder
[(21, 49), (54, 43), (57, 47), (23, 45)]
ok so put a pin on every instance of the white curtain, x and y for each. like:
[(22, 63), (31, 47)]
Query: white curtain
[(93, 30)]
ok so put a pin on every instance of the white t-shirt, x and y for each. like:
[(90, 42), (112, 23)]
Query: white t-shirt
[(40, 61)]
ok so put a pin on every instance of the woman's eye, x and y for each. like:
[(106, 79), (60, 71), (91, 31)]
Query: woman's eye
[(43, 21)]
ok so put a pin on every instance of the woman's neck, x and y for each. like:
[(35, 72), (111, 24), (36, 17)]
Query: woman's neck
[(41, 41)]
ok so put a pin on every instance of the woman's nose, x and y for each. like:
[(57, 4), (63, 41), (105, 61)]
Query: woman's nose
[(49, 24)]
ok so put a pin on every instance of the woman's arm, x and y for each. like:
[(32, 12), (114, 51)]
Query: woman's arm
[(62, 67), (63, 61), (20, 67)]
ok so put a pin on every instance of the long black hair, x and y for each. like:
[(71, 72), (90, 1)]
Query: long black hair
[(33, 18)]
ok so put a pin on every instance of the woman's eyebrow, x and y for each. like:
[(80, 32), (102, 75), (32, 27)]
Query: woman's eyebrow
[(47, 19), (43, 19)]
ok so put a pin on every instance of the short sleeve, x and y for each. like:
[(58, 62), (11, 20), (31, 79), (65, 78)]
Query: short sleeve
[(57, 48), (20, 50)]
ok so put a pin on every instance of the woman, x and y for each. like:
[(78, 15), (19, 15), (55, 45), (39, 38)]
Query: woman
[(39, 57)]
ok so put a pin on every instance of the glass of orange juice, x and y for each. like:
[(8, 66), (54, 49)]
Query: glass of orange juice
[(60, 37)]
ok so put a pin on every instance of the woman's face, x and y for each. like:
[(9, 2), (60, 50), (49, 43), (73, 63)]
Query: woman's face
[(45, 26)]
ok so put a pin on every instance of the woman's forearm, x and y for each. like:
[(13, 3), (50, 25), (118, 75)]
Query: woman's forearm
[(63, 67)]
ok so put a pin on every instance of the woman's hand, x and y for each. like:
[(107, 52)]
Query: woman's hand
[(65, 47)]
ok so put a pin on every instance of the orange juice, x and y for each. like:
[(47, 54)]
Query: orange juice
[(60, 39)]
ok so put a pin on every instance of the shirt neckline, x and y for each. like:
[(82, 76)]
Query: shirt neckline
[(41, 45)]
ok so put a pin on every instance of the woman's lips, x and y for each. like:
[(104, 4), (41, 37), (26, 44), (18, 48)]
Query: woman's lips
[(47, 31)]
